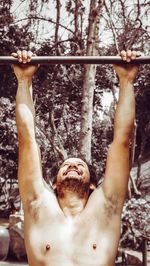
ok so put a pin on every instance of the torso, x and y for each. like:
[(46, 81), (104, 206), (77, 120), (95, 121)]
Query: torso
[(89, 239)]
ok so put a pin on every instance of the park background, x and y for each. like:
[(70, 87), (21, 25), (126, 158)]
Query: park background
[(75, 103)]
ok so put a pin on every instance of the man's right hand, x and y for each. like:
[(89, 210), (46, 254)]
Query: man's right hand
[(127, 71), (22, 70)]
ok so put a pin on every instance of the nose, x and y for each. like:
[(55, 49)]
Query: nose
[(71, 165)]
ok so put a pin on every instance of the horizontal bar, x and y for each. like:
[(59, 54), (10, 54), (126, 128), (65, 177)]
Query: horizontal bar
[(46, 60)]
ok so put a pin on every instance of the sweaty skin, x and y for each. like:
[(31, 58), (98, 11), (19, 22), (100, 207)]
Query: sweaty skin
[(72, 227)]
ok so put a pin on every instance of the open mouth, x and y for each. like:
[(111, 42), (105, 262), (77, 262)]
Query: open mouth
[(72, 171)]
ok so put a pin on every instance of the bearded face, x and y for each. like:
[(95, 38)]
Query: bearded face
[(72, 185), (73, 176)]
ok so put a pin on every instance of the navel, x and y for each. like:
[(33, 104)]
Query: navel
[(48, 247), (94, 246)]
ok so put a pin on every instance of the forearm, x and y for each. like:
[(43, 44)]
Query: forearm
[(25, 113), (125, 111)]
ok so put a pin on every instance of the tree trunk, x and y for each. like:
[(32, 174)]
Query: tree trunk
[(139, 161), (56, 139), (58, 5), (132, 182), (89, 82)]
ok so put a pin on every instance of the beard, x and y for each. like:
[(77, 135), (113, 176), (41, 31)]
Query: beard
[(74, 185)]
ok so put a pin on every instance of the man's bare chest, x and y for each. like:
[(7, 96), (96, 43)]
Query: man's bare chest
[(81, 241)]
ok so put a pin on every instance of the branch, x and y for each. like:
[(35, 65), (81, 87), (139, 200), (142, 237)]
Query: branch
[(54, 146), (136, 191), (133, 143), (59, 42), (138, 9), (111, 23), (18, 6), (123, 12), (41, 18), (57, 23)]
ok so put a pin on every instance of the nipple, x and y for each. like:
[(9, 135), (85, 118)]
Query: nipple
[(48, 247), (94, 246)]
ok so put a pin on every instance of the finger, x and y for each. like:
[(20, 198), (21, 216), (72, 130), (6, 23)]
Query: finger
[(123, 55), (14, 55), (133, 55), (29, 56), (19, 55), (138, 53), (24, 56), (129, 54)]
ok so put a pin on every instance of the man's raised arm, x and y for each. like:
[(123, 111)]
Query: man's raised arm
[(117, 167), (29, 170)]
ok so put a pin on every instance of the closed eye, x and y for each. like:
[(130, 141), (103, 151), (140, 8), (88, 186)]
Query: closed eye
[(80, 164), (65, 164)]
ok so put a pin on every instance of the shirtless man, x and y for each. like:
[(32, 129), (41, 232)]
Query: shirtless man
[(71, 227)]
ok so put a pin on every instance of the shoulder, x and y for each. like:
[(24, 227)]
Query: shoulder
[(44, 205)]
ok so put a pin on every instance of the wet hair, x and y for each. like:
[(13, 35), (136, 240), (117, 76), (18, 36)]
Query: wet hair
[(92, 169)]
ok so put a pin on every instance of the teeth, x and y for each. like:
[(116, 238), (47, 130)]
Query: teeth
[(72, 172)]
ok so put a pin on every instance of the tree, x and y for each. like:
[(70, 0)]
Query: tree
[(89, 81)]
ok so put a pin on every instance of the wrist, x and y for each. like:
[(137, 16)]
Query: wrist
[(25, 80), (126, 80)]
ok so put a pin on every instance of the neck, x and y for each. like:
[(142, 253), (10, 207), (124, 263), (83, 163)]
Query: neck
[(71, 204)]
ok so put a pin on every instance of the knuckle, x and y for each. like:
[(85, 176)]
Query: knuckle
[(19, 52), (129, 52), (29, 54), (123, 52)]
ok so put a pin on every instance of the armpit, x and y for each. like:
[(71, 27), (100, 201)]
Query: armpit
[(111, 206), (33, 208)]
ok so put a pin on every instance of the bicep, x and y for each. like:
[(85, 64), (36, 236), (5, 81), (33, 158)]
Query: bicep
[(117, 171), (30, 171)]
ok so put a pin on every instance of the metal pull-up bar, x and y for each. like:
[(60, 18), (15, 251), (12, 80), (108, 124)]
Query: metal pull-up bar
[(46, 60)]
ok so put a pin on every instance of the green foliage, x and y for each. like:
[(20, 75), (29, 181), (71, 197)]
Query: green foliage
[(135, 221)]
